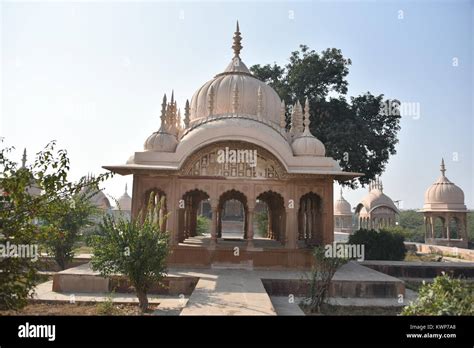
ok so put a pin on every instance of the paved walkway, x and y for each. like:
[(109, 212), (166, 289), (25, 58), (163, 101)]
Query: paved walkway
[(229, 292)]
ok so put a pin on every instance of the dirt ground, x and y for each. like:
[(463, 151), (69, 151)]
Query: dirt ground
[(78, 309)]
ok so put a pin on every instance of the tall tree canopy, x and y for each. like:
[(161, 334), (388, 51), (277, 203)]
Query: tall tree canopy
[(361, 133)]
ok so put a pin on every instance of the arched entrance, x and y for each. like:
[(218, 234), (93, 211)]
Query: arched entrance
[(310, 219), (276, 215), (232, 224), (188, 218)]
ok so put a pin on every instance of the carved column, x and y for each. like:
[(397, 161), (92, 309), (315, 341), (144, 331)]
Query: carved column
[(214, 226), (250, 227)]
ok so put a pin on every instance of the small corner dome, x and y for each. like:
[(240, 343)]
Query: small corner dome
[(308, 145), (161, 142)]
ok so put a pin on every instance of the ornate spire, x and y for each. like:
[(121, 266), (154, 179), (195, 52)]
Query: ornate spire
[(126, 188), (293, 125), (178, 120), (443, 167), (299, 118), (235, 99), (340, 194), (306, 121), (237, 46), (163, 111), (172, 96), (186, 114), (259, 102), (283, 115), (210, 101), (23, 159)]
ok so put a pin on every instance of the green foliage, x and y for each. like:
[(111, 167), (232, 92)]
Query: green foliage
[(136, 248), (314, 75), (445, 296), (62, 224), (262, 223), (409, 235), (322, 272), (20, 210), (203, 225), (383, 245), (412, 224), (107, 307)]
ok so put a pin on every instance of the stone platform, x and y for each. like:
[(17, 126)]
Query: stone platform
[(230, 291)]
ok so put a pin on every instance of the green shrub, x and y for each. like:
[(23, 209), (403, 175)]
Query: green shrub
[(137, 248), (445, 296), (262, 223), (383, 245), (323, 270), (107, 307), (203, 225)]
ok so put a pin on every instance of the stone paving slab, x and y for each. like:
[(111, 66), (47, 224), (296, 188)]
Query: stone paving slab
[(283, 306), (229, 292)]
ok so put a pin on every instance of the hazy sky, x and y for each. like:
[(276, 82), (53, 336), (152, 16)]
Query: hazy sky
[(92, 74)]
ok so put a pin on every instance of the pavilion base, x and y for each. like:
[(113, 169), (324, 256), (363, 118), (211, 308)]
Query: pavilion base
[(240, 255)]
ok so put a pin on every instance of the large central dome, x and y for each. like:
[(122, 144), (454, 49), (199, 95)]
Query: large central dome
[(236, 91)]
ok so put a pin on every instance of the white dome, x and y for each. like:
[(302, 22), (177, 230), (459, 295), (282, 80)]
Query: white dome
[(342, 207), (248, 88), (236, 91), (125, 201), (161, 142), (308, 145), (443, 195), (376, 198)]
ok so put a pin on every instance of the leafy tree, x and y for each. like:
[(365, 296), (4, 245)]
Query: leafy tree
[(360, 134), (20, 211), (445, 296), (137, 248), (62, 224)]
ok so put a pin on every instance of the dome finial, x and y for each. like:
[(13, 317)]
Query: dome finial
[(237, 46), (443, 167), (23, 159)]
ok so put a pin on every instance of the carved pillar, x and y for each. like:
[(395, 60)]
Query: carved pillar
[(250, 213), (448, 232), (213, 226)]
